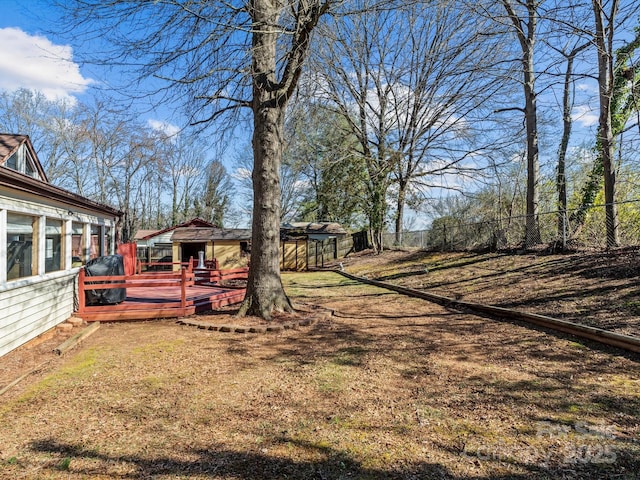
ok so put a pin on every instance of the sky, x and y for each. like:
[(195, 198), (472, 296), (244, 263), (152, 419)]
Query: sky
[(32, 60), (34, 57)]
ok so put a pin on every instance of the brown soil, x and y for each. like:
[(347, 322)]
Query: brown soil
[(386, 387)]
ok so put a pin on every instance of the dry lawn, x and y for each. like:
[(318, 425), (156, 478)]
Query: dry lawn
[(387, 387), (598, 288)]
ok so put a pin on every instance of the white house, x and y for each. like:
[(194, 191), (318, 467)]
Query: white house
[(46, 234)]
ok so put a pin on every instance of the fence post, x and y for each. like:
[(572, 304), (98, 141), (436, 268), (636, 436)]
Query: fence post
[(565, 221), (81, 294), (183, 287), (444, 237)]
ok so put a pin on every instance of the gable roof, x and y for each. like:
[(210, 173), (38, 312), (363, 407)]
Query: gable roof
[(143, 234), (10, 143), (14, 180), (194, 222)]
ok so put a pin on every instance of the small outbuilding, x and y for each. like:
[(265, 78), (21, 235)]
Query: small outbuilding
[(231, 247), (156, 245), (307, 245)]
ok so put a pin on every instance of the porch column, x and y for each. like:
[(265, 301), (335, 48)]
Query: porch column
[(3, 245), (67, 242), (40, 242)]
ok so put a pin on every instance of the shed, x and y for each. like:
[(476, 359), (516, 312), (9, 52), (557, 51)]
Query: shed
[(156, 246), (47, 234), (231, 247)]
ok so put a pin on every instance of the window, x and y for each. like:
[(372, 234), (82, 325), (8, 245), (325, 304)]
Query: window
[(22, 162), (77, 245), (20, 248), (29, 167), (96, 244), (53, 246), (12, 162), (107, 240)]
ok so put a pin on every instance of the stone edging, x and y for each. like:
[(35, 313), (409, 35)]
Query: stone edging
[(280, 327)]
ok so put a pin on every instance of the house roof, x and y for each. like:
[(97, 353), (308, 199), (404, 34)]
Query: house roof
[(10, 143), (203, 234), (14, 180), (194, 222), (142, 234), (329, 228)]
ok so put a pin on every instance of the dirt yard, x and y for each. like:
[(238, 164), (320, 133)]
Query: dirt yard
[(599, 289), (386, 387)]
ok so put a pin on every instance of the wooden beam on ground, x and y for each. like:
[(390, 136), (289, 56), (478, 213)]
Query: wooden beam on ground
[(77, 338)]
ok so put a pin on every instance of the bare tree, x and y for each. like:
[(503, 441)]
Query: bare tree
[(353, 78), (441, 89), (221, 55), (604, 14), (46, 122), (567, 37), (331, 172), (413, 101), (216, 194), (524, 23)]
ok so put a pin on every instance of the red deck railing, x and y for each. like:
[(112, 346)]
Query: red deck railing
[(161, 303)]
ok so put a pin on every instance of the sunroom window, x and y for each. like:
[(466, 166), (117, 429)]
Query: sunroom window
[(20, 257), (78, 256), (53, 245)]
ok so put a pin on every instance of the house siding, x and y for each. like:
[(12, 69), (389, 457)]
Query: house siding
[(31, 305), (35, 307)]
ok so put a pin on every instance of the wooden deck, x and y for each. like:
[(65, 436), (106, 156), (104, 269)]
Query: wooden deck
[(152, 296)]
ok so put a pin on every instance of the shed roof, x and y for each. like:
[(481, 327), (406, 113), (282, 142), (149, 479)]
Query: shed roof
[(194, 222), (203, 234), (329, 228)]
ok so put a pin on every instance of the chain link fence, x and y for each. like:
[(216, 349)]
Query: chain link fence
[(584, 228)]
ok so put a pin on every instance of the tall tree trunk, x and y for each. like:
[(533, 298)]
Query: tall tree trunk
[(531, 122), (526, 33), (604, 43), (265, 292), (174, 203), (567, 123), (377, 212), (400, 201)]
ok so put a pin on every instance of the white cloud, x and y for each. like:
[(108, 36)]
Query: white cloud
[(165, 127), (33, 62), (587, 88), (585, 115)]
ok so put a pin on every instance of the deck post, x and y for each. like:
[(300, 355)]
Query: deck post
[(183, 289), (81, 294)]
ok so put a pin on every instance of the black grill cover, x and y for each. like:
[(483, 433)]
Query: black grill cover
[(109, 265)]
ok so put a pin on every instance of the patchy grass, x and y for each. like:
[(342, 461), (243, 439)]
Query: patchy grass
[(388, 387)]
